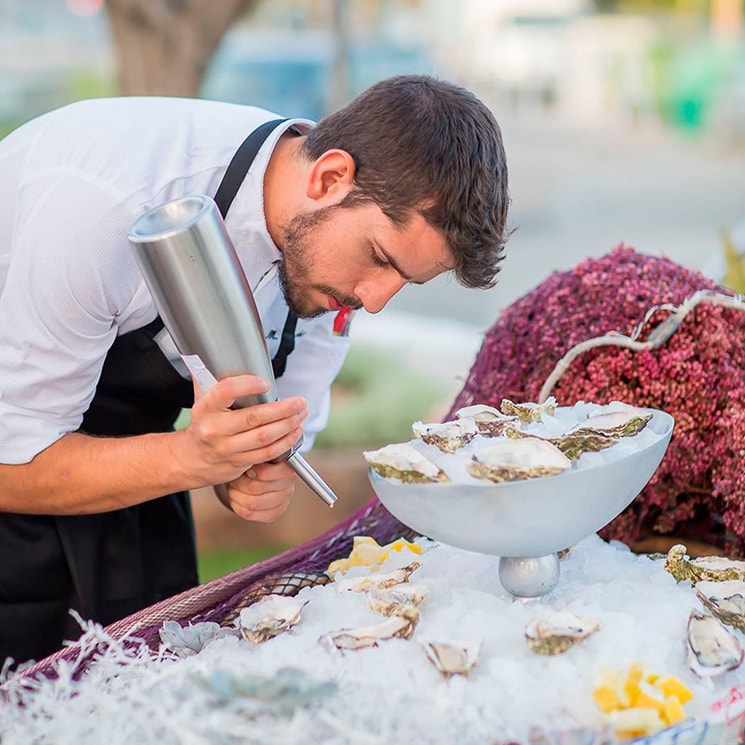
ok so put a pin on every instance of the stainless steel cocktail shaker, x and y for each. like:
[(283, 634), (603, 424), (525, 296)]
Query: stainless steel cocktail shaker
[(200, 290)]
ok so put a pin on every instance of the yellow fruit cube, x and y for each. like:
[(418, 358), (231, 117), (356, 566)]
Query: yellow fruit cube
[(672, 710), (650, 697), (636, 672), (636, 719), (630, 692), (606, 698), (671, 686)]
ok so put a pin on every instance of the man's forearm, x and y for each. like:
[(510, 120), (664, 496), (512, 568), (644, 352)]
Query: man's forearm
[(80, 474)]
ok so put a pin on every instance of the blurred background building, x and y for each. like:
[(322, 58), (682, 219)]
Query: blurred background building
[(624, 120)]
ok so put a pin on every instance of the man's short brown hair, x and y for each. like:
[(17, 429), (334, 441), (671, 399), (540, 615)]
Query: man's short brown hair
[(427, 145)]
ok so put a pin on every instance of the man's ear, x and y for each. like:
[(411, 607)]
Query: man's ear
[(331, 176)]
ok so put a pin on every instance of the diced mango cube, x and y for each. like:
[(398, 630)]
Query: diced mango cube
[(672, 710), (631, 692), (606, 698), (636, 672), (671, 686), (636, 719), (650, 697)]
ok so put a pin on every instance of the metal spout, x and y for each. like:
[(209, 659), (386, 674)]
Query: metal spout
[(193, 273)]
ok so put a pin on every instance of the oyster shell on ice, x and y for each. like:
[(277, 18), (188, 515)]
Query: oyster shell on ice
[(453, 658), (405, 463), (572, 445), (625, 422), (446, 436), (371, 582), (398, 626), (513, 460), (712, 648), (558, 632), (269, 617), (703, 568), (490, 421), (397, 600), (528, 412), (725, 600)]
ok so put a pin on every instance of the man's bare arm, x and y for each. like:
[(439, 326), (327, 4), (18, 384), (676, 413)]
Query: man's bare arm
[(80, 474)]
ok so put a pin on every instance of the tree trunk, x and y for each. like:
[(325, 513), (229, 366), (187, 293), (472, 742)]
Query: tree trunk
[(163, 47)]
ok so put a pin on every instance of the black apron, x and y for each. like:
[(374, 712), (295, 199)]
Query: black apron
[(109, 565)]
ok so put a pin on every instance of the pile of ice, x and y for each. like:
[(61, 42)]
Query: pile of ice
[(295, 688)]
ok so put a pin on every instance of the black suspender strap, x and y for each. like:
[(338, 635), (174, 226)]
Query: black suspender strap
[(240, 163), (286, 345)]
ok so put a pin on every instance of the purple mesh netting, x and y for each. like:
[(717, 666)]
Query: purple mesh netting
[(214, 600)]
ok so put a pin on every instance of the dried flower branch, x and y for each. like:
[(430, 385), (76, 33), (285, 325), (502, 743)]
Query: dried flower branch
[(687, 358)]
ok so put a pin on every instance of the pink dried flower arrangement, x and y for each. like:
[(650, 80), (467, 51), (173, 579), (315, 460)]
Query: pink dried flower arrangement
[(698, 376)]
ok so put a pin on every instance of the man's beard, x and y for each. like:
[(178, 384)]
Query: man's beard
[(296, 261)]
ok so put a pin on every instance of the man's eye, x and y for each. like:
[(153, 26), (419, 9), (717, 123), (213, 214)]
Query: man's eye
[(377, 260)]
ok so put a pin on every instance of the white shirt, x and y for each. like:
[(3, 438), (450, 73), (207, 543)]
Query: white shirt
[(73, 182)]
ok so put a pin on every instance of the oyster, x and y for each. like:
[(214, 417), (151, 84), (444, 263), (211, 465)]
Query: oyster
[(712, 648), (711, 568), (528, 412), (512, 460), (623, 423), (447, 436), (399, 626), (725, 600), (490, 421), (396, 601), (572, 445), (269, 617), (558, 632), (378, 581), (453, 658), (405, 463)]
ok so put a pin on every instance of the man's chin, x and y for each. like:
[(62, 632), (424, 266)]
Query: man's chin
[(305, 310)]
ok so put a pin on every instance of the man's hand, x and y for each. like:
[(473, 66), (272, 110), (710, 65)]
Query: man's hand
[(222, 444), (262, 494)]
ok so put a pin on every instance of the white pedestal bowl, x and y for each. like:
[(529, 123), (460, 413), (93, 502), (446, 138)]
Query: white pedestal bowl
[(527, 522)]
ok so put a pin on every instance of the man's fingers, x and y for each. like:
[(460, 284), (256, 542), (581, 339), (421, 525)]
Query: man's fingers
[(225, 393)]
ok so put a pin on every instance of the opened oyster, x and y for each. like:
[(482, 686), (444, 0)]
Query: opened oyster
[(453, 658), (712, 648), (270, 616), (528, 412), (572, 445), (513, 460), (371, 582), (725, 600), (558, 632), (405, 463), (448, 436), (703, 568), (490, 421), (398, 626), (626, 422), (397, 600)]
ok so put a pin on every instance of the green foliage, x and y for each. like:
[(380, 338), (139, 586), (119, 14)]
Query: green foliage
[(734, 274), (218, 563), (375, 399), (87, 83)]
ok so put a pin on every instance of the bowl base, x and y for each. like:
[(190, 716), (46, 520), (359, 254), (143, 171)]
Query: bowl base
[(529, 576)]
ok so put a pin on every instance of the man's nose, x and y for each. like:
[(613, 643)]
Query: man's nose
[(375, 292)]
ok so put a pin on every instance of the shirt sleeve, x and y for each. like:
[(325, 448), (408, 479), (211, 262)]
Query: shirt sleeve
[(72, 275)]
